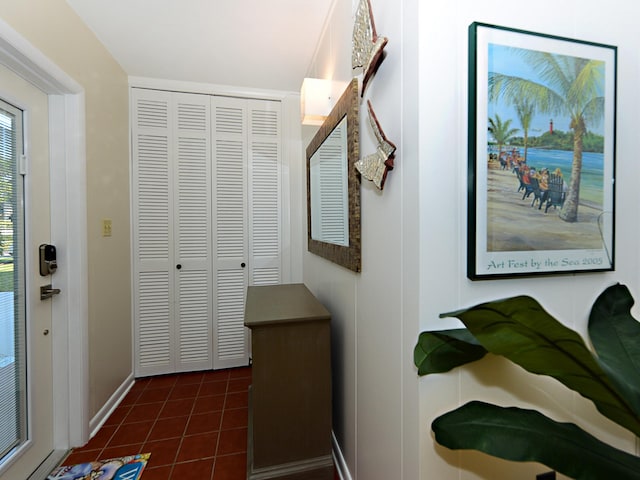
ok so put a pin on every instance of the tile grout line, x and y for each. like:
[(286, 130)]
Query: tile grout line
[(102, 454), (186, 427), (224, 406), (175, 456)]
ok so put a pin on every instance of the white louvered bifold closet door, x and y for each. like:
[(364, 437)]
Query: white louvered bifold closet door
[(192, 203), (153, 232), (247, 227), (230, 229), (171, 228), (265, 243)]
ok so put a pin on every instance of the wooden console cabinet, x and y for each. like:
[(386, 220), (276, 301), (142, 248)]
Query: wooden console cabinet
[(290, 394)]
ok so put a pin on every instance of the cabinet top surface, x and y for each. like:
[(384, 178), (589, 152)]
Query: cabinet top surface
[(281, 304)]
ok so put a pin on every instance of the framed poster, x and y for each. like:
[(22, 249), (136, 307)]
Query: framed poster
[(541, 154)]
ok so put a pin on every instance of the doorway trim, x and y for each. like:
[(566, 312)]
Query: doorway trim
[(68, 232)]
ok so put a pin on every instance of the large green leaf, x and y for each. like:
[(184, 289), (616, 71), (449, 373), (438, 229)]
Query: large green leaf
[(526, 435), (521, 330), (439, 351), (615, 334)]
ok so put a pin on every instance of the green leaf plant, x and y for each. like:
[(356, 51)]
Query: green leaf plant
[(520, 330)]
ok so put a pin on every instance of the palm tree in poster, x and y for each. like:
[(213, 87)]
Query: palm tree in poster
[(566, 85), (525, 110), (501, 131)]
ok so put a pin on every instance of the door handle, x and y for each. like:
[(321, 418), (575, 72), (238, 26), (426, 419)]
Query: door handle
[(47, 291)]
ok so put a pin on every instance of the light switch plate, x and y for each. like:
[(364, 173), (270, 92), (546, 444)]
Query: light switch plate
[(106, 227)]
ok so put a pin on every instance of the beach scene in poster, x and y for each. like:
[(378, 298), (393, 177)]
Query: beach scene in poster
[(546, 190)]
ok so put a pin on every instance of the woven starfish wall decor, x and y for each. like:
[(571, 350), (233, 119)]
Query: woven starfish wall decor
[(367, 45), (375, 166)]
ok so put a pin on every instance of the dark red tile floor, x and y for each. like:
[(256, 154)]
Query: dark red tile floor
[(193, 424)]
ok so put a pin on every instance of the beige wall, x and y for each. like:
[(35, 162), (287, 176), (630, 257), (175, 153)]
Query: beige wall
[(53, 28)]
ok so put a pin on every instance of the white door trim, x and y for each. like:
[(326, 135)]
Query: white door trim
[(68, 232)]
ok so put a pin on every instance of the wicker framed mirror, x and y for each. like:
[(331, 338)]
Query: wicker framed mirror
[(333, 184)]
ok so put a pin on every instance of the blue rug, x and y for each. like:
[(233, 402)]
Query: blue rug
[(123, 468)]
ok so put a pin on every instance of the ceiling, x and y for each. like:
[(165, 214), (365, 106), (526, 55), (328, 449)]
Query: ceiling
[(265, 44)]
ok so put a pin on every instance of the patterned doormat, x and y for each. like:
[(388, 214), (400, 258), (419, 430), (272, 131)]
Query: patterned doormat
[(122, 468)]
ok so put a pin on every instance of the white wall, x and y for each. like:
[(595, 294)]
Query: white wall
[(414, 238), (374, 313), (444, 286)]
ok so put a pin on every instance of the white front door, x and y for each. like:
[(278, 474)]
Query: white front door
[(27, 429)]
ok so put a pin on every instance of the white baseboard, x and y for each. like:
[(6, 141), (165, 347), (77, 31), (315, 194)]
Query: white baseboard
[(338, 459), (107, 409)]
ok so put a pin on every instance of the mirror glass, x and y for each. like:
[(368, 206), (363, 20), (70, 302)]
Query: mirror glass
[(329, 199), (333, 184)]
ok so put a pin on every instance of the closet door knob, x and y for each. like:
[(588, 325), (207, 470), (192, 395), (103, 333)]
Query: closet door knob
[(243, 264), (178, 266)]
